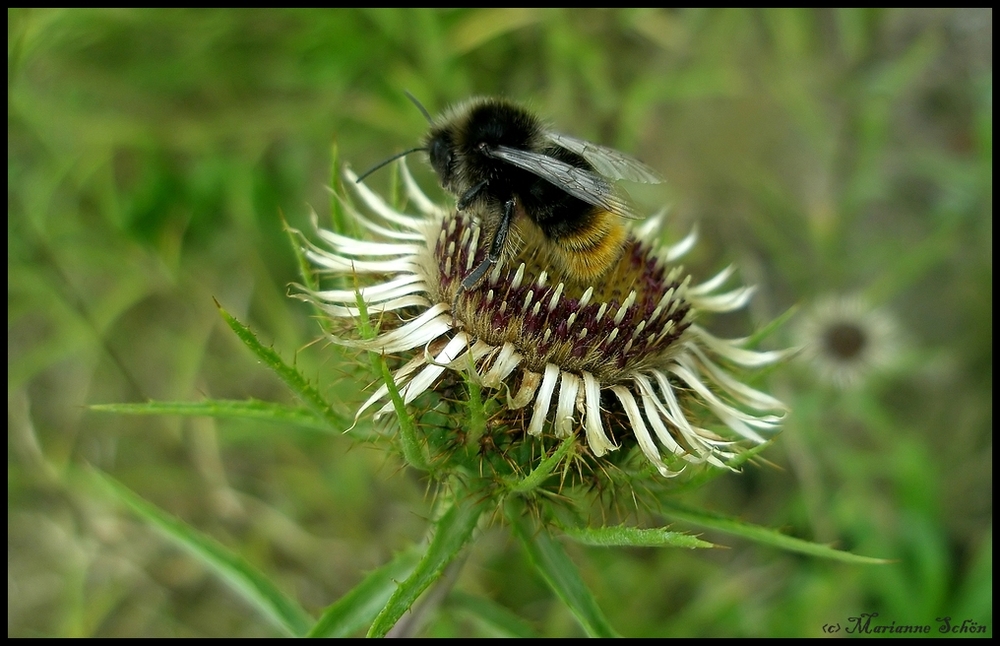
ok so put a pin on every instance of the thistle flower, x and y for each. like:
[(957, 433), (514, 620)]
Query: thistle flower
[(844, 339), (622, 360)]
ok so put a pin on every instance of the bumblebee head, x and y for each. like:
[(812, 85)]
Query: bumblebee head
[(441, 150)]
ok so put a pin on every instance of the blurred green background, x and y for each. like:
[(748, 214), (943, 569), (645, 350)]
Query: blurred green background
[(153, 154)]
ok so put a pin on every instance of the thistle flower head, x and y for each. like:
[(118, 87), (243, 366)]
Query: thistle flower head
[(844, 339), (621, 361)]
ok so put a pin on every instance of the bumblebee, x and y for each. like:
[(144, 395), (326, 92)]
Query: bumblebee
[(501, 160)]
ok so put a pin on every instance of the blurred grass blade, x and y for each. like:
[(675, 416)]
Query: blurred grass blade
[(452, 532), (551, 561), (358, 608), (499, 621), (764, 535), (624, 536), (770, 328), (974, 599), (288, 374), (252, 584), (224, 408), (483, 25)]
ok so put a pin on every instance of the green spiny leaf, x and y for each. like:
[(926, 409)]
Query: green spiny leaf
[(413, 449), (288, 374), (623, 536), (451, 533), (764, 535), (360, 606), (544, 469)]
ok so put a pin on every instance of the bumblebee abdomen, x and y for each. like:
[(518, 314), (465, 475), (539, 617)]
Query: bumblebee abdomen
[(591, 248)]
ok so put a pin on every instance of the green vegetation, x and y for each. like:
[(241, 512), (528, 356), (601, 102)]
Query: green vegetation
[(155, 157)]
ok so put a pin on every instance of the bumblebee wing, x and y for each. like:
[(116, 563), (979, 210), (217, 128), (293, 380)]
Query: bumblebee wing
[(578, 182), (607, 161)]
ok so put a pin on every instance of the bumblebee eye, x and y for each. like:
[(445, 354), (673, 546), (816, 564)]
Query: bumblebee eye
[(441, 157)]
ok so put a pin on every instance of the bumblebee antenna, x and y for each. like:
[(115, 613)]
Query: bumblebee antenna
[(420, 106), (386, 161)]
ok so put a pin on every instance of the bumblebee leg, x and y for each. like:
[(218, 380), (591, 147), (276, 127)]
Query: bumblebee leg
[(496, 248), (471, 194)]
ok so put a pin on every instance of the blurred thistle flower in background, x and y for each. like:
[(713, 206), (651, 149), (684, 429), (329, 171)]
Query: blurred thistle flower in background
[(626, 353), (845, 340)]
